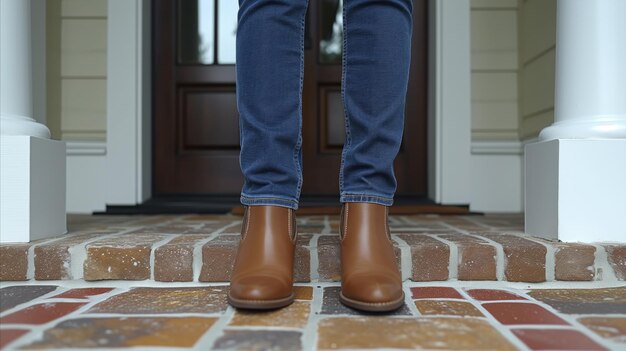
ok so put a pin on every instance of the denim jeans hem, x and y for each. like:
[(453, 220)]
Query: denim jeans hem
[(382, 200), (266, 200)]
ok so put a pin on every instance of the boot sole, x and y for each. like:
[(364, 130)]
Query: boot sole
[(372, 306), (261, 304)]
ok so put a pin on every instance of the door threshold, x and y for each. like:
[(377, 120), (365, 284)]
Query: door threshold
[(309, 205)]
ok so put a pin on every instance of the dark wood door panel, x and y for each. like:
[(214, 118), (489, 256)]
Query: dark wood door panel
[(208, 118), (196, 125)]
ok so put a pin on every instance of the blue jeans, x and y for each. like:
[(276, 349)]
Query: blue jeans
[(270, 69)]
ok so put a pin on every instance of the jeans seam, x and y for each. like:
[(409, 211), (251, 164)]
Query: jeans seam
[(298, 147), (344, 73), (368, 195), (266, 197), (383, 200), (269, 201)]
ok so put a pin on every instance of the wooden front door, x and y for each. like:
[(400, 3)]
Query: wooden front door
[(196, 124)]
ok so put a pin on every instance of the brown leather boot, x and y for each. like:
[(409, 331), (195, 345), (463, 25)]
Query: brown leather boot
[(370, 276), (262, 276)]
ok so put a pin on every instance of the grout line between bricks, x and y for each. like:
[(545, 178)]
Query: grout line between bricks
[(604, 270), (265, 327), (327, 229), (206, 341), (410, 302), (500, 256), (198, 260), (453, 264), (314, 259), (309, 332), (550, 265), (406, 259)]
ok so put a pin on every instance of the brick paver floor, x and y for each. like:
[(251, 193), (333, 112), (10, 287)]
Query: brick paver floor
[(471, 283), (449, 316)]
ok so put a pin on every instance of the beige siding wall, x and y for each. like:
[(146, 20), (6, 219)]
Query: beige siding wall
[(494, 70), (76, 69), (537, 37)]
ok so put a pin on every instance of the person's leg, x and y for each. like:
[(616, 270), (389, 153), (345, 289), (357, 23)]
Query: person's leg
[(270, 40), (376, 61), (270, 65)]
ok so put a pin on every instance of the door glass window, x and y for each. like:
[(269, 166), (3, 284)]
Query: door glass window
[(206, 31), (227, 29), (331, 31)]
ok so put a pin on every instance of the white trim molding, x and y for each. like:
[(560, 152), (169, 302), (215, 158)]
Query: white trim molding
[(497, 147), (449, 102), (86, 148), (128, 161)]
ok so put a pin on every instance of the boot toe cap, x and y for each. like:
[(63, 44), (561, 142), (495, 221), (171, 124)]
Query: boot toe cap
[(372, 288), (259, 288)]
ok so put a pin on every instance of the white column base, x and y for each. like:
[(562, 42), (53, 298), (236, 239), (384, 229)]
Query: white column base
[(32, 188), (576, 190)]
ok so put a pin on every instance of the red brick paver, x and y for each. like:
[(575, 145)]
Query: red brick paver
[(82, 293), (435, 292), (556, 339), (522, 313), (493, 295), (14, 261), (477, 258), (173, 262), (617, 259), (525, 259), (574, 262), (430, 257), (7, 336), (41, 313), (122, 257)]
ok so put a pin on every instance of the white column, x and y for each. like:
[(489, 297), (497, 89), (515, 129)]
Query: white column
[(32, 167), (16, 103), (590, 94), (576, 172)]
